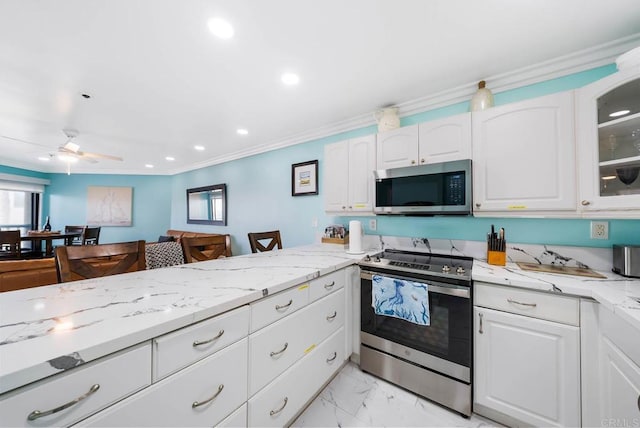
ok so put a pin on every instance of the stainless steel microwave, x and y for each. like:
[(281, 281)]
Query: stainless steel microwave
[(432, 189)]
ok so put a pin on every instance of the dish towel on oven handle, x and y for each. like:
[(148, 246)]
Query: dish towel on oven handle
[(399, 298)]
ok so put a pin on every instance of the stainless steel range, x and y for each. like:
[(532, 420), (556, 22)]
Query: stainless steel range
[(433, 358)]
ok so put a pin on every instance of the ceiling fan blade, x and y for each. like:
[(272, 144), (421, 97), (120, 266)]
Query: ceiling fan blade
[(99, 156)]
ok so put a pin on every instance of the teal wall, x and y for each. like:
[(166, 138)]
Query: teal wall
[(259, 195)]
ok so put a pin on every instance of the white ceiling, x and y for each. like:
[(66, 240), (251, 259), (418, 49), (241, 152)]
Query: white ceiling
[(161, 83)]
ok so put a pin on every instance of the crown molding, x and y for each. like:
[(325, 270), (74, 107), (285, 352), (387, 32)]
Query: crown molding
[(575, 62)]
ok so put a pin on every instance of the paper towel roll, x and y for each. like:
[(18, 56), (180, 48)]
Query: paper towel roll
[(355, 237)]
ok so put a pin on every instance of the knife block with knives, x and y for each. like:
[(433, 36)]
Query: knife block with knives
[(496, 247)]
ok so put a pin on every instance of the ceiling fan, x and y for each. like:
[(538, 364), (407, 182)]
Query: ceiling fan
[(72, 150)]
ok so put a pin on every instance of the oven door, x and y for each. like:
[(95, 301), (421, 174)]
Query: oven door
[(443, 346)]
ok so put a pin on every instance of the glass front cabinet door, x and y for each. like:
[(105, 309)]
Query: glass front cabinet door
[(609, 145)]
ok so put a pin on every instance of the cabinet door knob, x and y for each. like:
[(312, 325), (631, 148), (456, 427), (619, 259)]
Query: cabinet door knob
[(421, 160), (585, 203), (413, 162), (478, 205), (343, 207), (350, 207)]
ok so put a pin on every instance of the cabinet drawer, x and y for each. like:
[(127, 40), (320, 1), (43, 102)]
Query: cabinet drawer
[(180, 348), (275, 348), (170, 402), (526, 302), (282, 399), (326, 284), (270, 309), (117, 375)]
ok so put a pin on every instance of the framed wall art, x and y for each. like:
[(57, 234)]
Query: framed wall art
[(304, 178), (109, 206)]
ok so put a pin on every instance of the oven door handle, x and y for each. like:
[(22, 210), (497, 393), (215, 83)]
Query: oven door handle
[(464, 292)]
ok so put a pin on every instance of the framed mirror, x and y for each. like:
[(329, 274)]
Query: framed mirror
[(207, 205)]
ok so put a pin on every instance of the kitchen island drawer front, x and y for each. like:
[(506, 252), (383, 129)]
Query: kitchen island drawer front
[(282, 399), (535, 304), (200, 395), (180, 348), (271, 309), (326, 284), (275, 348), (328, 316), (94, 386)]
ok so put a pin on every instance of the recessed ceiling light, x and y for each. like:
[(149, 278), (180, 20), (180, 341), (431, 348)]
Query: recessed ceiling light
[(170, 158), (619, 113), (242, 131), (220, 28), (199, 148), (44, 159), (290, 79), (148, 165)]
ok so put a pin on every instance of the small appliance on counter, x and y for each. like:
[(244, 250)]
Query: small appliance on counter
[(335, 234), (626, 260)]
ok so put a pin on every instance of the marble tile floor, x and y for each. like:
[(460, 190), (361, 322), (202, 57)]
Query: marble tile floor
[(357, 399)]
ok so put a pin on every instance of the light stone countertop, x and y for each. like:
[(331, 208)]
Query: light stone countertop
[(614, 291), (46, 330)]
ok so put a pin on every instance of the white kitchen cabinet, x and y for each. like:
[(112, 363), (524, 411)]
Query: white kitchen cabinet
[(524, 157), (203, 394), (435, 141), (273, 349), (348, 176), (279, 402), (526, 370), (610, 368), (609, 146), (77, 393)]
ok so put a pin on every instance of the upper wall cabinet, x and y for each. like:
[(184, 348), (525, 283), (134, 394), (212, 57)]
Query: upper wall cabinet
[(430, 142), (609, 146), (348, 176), (524, 157)]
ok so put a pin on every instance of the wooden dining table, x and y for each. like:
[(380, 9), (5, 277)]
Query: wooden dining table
[(37, 238)]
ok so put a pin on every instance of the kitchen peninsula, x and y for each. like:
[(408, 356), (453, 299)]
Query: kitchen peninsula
[(132, 319)]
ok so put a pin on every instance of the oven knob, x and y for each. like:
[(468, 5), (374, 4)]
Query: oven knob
[(367, 258), (377, 259), (460, 270), (445, 268)]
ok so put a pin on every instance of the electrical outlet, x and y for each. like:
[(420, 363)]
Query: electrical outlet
[(599, 230), (314, 222), (373, 224)]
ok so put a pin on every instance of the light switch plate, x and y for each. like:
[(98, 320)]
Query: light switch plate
[(373, 224)]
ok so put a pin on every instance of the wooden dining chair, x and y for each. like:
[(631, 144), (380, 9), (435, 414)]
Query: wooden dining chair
[(93, 261), (76, 240), (201, 248), (10, 245), (272, 240), (91, 235)]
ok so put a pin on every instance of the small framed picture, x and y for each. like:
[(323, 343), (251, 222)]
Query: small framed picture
[(304, 178)]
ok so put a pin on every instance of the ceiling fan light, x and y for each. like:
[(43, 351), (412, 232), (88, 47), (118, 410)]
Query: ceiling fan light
[(72, 146)]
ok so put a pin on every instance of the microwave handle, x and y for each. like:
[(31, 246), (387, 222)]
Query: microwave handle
[(463, 292)]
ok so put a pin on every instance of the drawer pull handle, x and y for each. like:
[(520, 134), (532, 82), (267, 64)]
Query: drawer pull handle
[(275, 412), (480, 330), (38, 414), (335, 355), (204, 342), (515, 302), (198, 403), (273, 354), (329, 286), (331, 317), (279, 307)]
